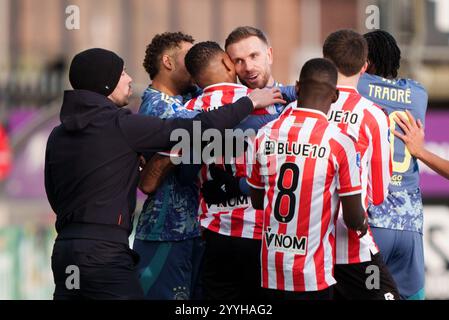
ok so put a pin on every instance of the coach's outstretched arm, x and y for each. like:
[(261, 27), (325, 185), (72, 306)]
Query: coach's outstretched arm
[(151, 134), (354, 214)]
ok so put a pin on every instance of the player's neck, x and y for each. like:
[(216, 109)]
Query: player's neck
[(345, 81), (315, 104), (217, 78), (165, 86)]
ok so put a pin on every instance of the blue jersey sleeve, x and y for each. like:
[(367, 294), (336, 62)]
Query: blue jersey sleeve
[(288, 93), (158, 104)]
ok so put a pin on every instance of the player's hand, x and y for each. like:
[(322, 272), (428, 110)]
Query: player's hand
[(263, 98), (223, 186), (364, 229), (413, 136)]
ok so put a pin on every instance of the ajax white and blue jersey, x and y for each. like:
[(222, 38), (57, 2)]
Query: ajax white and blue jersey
[(402, 209), (171, 213)]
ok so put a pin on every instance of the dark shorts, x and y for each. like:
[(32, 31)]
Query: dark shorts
[(170, 270), (369, 280), (94, 269), (231, 268), (403, 254)]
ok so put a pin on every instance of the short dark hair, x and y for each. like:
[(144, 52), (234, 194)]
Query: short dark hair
[(317, 80), (241, 33), (319, 70), (159, 44), (383, 53), (199, 56), (347, 49)]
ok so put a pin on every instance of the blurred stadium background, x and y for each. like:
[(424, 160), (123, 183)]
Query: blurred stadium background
[(36, 48)]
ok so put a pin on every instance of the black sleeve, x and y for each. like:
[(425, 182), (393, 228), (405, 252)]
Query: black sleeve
[(151, 134), (49, 186)]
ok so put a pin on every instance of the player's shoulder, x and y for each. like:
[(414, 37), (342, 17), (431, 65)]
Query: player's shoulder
[(267, 128), (412, 84), (372, 107), (367, 110), (189, 104), (333, 131), (351, 99), (344, 140), (159, 104), (236, 90), (55, 132), (270, 128), (373, 113), (401, 83), (241, 90)]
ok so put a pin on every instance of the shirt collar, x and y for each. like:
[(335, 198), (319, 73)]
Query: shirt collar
[(177, 99), (307, 112), (223, 85), (347, 89)]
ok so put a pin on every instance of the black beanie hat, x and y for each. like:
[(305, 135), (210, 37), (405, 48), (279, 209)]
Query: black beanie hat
[(96, 70)]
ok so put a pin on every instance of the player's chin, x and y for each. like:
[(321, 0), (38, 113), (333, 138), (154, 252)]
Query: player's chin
[(125, 100), (255, 83)]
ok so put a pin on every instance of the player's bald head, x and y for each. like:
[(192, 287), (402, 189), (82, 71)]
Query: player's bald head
[(318, 75), (317, 84)]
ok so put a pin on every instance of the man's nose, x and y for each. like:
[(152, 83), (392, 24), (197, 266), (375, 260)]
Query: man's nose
[(249, 65)]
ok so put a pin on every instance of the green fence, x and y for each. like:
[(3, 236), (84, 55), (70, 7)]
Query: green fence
[(25, 263)]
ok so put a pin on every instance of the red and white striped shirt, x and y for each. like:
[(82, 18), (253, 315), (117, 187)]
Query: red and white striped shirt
[(369, 126), (235, 217), (304, 164), (217, 95)]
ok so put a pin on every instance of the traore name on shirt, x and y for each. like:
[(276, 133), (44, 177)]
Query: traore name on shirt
[(390, 93)]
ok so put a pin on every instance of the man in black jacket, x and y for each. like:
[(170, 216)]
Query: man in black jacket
[(91, 174)]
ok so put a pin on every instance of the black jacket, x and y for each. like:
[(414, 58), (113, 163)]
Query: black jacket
[(92, 159)]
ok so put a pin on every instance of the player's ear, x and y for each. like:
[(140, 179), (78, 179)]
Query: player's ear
[(336, 95), (227, 64), (364, 68), (297, 88), (270, 55), (167, 62)]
